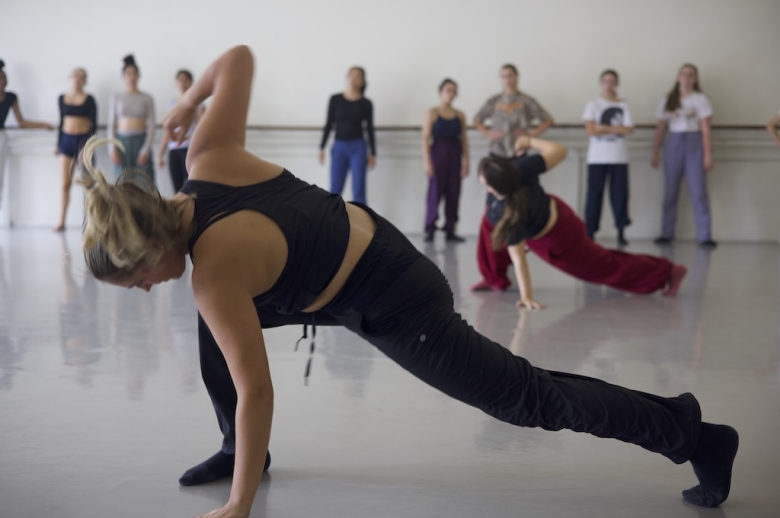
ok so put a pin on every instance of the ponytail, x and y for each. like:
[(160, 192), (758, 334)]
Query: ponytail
[(121, 218)]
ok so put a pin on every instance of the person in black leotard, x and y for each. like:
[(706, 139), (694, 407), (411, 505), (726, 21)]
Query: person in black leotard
[(269, 249), (10, 101), (78, 122)]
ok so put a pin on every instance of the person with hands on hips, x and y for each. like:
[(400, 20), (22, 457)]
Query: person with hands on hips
[(511, 114)]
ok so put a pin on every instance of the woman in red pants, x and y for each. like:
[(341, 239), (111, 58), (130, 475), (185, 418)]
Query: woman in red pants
[(521, 214)]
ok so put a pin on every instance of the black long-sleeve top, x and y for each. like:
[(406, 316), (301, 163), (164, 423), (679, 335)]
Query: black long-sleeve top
[(348, 116), (88, 109)]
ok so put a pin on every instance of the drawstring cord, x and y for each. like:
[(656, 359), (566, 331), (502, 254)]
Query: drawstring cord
[(312, 347)]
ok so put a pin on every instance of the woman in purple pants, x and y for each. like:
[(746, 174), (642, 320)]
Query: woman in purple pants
[(446, 156), (687, 115)]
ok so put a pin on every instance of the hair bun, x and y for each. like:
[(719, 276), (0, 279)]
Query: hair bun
[(129, 60), (2, 65)]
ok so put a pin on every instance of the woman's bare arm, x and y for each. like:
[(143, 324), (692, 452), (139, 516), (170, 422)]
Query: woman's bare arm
[(706, 141), (24, 123), (553, 153), (226, 305), (660, 133), (223, 126), (523, 275), (464, 144), (771, 127), (426, 142)]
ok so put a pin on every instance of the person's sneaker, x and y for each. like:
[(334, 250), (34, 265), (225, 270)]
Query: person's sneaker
[(428, 237), (663, 241), (622, 243), (708, 244), (454, 238)]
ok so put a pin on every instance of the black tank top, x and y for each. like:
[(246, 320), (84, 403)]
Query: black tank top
[(315, 225), (446, 129)]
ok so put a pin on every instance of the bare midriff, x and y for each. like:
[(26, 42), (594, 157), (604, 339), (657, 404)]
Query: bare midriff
[(550, 222), (361, 230), (128, 124), (76, 125)]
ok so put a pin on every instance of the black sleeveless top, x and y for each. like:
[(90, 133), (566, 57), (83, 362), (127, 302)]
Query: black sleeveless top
[(446, 129), (314, 222)]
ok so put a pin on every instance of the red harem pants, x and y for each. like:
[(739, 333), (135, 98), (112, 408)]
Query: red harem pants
[(492, 263), (568, 248)]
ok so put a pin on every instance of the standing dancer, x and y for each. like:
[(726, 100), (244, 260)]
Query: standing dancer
[(131, 120), (687, 115), (78, 122), (177, 153), (524, 215), (446, 160), (269, 249), (352, 114), (9, 101), (608, 121), (511, 114)]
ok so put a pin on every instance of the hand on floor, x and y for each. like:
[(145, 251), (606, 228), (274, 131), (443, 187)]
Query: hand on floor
[(530, 304), (228, 511)]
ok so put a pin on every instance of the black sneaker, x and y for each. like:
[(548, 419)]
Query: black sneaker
[(622, 239), (708, 244), (454, 238), (428, 237), (663, 241)]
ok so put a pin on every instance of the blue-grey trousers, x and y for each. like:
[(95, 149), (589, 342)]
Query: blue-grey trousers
[(684, 156)]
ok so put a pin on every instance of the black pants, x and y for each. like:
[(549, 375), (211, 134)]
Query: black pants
[(618, 194), (177, 163), (400, 302)]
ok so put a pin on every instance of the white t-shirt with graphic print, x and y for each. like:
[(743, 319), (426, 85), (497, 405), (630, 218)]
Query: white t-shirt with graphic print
[(688, 116), (608, 149)]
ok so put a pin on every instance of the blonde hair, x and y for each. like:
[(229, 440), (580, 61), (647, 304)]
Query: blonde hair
[(120, 219)]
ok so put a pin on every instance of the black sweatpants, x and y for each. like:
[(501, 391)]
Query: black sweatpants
[(177, 164), (618, 195), (400, 302)]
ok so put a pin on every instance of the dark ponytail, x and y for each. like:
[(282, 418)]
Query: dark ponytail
[(130, 62), (673, 98), (504, 178), (2, 66)]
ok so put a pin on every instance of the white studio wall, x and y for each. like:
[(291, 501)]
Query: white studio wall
[(303, 50)]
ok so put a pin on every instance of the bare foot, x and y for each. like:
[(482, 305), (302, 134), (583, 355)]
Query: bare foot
[(60, 228), (678, 272)]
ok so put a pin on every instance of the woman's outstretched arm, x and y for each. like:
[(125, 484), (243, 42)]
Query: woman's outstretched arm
[(227, 308), (229, 81)]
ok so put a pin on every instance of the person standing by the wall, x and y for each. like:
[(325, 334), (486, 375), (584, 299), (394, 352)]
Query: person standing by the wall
[(446, 157), (352, 114), (78, 122), (608, 121), (10, 101), (131, 120), (686, 113)]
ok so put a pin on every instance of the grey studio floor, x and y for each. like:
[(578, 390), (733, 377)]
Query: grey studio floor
[(102, 407)]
